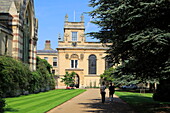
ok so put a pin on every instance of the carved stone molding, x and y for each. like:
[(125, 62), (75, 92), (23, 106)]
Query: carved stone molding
[(81, 56), (66, 35), (67, 56), (74, 56)]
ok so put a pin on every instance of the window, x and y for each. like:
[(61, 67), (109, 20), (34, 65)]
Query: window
[(55, 61), (53, 72), (26, 37), (46, 58), (74, 63), (92, 64), (74, 36)]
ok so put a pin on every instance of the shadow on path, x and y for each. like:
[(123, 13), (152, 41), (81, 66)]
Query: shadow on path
[(117, 106)]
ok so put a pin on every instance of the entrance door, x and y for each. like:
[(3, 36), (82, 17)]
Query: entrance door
[(77, 81)]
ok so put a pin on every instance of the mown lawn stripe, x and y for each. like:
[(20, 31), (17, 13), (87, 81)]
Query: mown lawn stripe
[(28, 100), (46, 103), (23, 97), (39, 107), (38, 99), (50, 106)]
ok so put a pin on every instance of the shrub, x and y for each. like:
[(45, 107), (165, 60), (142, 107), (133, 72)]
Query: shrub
[(42, 79), (17, 79), (14, 76), (2, 103), (68, 79), (46, 80)]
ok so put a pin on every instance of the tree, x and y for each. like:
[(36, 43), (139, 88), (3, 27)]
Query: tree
[(68, 78), (163, 91), (116, 76), (140, 33), (108, 76), (43, 75)]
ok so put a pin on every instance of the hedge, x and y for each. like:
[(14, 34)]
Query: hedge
[(2, 103), (17, 79)]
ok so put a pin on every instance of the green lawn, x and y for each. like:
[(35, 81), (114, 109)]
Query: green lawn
[(41, 102), (143, 102)]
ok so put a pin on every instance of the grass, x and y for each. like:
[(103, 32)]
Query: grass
[(41, 102), (143, 102)]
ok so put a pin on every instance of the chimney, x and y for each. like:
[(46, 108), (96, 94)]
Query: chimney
[(48, 45)]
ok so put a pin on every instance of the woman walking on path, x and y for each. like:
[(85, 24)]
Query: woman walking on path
[(102, 91), (111, 91)]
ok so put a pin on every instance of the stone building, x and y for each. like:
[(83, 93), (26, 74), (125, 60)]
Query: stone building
[(51, 56), (74, 53), (18, 30)]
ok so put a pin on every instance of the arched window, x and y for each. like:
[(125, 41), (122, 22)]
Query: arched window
[(92, 64), (26, 36)]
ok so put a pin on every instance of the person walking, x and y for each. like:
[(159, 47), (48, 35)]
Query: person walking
[(111, 91), (102, 91)]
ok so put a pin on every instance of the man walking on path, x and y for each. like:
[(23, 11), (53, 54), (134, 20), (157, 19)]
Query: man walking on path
[(102, 91), (111, 91)]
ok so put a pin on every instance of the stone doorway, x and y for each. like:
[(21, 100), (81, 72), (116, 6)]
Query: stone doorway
[(77, 81)]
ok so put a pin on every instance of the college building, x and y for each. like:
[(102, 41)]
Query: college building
[(18, 30), (75, 54)]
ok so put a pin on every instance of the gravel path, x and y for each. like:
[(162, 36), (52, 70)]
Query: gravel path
[(90, 102)]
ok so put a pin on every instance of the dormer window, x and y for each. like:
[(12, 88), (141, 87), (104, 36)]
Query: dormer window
[(74, 36)]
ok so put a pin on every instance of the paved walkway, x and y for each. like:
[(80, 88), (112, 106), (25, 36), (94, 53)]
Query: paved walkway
[(90, 102)]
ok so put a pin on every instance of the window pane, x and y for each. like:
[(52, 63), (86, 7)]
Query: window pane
[(54, 63), (72, 63), (53, 71), (54, 59), (74, 36), (76, 63), (46, 58), (92, 64)]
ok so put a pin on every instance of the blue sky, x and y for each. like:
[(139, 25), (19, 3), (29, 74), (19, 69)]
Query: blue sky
[(51, 14)]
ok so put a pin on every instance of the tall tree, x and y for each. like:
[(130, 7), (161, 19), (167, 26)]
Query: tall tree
[(139, 31)]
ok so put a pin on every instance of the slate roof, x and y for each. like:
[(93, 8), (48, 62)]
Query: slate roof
[(6, 4), (47, 51)]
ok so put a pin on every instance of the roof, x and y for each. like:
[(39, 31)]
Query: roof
[(5, 29), (6, 4), (85, 48), (47, 51)]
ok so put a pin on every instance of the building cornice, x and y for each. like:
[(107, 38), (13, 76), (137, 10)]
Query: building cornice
[(74, 69), (82, 48), (3, 29)]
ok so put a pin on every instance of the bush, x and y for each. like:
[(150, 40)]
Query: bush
[(46, 80), (42, 79), (163, 91), (2, 103), (17, 79), (15, 76)]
